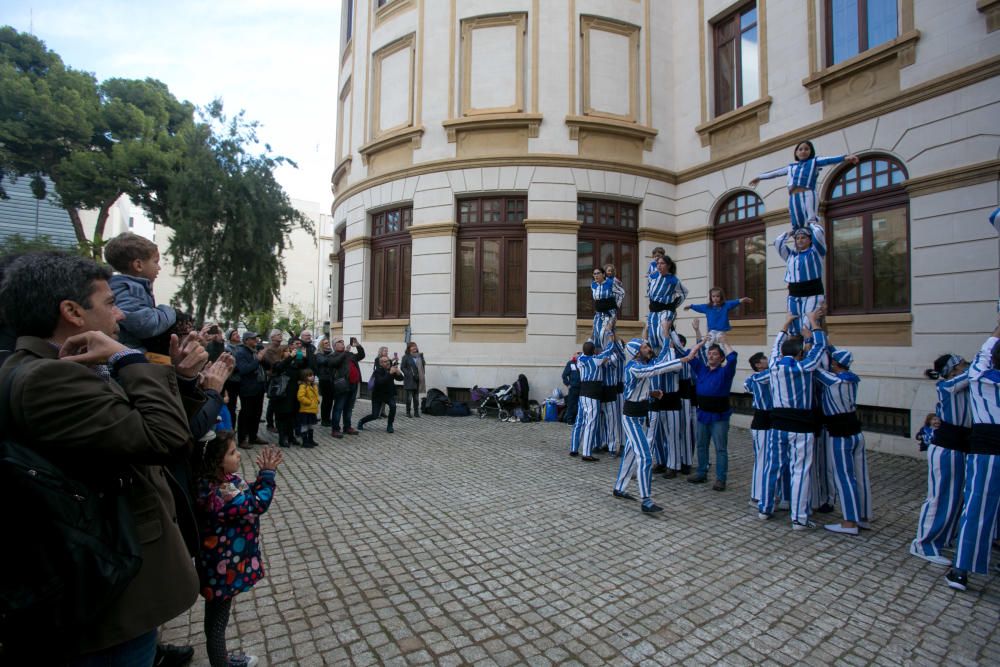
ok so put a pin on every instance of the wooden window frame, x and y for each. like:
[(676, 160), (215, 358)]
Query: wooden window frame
[(863, 44), (717, 26), (740, 229), (865, 205), (399, 276), (513, 211), (617, 233)]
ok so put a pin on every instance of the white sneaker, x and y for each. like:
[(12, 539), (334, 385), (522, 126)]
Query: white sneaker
[(762, 516), (937, 560), (864, 525), (808, 525), (753, 504), (837, 528)]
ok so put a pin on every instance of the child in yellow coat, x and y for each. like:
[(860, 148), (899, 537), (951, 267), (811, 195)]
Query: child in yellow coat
[(308, 406)]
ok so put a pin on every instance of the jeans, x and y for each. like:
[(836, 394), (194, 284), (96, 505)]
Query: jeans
[(718, 431), (377, 406), (344, 405), (138, 652), (249, 417)]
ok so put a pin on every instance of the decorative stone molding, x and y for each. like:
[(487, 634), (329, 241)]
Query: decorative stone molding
[(962, 177), (469, 26), (578, 124), (362, 242), (489, 329), (552, 226), (736, 130), (384, 330), (748, 332), (663, 237), (990, 9), (592, 23), (391, 9), (529, 121), (404, 141), (875, 330), (434, 229), (343, 169), (624, 329)]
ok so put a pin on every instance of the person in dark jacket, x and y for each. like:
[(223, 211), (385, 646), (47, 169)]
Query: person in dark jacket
[(324, 373), (346, 378), (252, 386), (286, 406), (232, 388), (308, 348), (412, 366), (383, 393), (571, 378)]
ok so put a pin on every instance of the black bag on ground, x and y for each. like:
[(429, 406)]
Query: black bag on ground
[(459, 410), (435, 403), (71, 546)]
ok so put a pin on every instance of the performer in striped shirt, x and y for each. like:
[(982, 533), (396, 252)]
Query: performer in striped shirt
[(946, 453), (847, 444), (802, 176), (608, 294), (666, 292), (791, 436), (610, 435), (758, 386), (588, 411), (658, 252), (803, 272), (977, 526), (638, 372)]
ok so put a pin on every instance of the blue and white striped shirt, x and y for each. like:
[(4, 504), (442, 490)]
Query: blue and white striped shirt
[(791, 380), (610, 288), (995, 219), (664, 289), (652, 269), (984, 386), (839, 391), (590, 367), (638, 374), (953, 400), (758, 385), (614, 369), (806, 265), (803, 174)]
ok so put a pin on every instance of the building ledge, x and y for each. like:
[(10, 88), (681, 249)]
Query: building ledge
[(613, 127), (356, 243), (624, 329), (392, 8), (858, 69), (384, 330), (758, 112), (539, 226), (871, 330), (991, 9), (433, 229), (343, 169), (489, 329), (492, 121), (751, 331), (411, 135)]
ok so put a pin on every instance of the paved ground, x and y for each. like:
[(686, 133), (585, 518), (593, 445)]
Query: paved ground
[(460, 541)]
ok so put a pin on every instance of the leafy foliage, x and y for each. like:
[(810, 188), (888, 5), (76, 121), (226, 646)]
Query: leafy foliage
[(291, 319)]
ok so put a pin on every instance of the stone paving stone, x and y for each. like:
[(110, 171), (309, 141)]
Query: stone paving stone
[(461, 541)]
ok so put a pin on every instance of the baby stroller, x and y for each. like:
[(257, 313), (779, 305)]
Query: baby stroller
[(500, 401)]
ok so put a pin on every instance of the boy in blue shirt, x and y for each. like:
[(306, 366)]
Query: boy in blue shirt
[(137, 262), (716, 311)]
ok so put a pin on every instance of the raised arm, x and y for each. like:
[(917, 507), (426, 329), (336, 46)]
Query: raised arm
[(781, 171), (984, 359), (781, 246), (819, 238), (836, 159)]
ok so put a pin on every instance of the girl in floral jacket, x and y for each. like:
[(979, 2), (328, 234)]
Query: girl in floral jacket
[(229, 512)]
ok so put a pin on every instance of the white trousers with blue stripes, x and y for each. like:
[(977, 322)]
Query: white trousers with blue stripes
[(849, 464), (759, 437), (802, 208), (611, 431), (823, 483), (654, 325), (796, 451), (689, 416), (636, 454), (600, 321), (801, 306), (665, 428), (588, 414), (977, 526), (941, 510)]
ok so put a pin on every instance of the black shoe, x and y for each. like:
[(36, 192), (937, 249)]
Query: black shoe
[(243, 444), (326, 424), (388, 429), (685, 469), (293, 441), (697, 479), (283, 443), (624, 495), (651, 508), (168, 655), (825, 508), (658, 468), (574, 453), (589, 458), (959, 582), (670, 473), (409, 415), (416, 414), (259, 441)]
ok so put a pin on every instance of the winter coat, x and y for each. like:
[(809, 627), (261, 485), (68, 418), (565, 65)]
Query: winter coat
[(143, 318)]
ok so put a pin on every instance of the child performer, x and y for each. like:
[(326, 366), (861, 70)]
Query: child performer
[(802, 175), (229, 512), (716, 311), (666, 292)]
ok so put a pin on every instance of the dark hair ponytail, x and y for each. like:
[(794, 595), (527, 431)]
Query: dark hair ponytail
[(812, 150), (215, 450)]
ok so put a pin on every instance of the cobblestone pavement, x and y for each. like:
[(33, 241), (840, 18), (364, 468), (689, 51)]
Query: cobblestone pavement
[(460, 541)]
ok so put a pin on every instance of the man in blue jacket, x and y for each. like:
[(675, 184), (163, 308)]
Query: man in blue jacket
[(713, 384), (571, 378), (252, 386)]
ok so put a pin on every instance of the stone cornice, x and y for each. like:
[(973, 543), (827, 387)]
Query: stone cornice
[(991, 9), (760, 108), (434, 229), (411, 135), (901, 47), (674, 238), (359, 242), (611, 126), (973, 174), (492, 121), (552, 226)]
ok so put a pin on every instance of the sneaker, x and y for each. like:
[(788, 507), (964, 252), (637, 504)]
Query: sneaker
[(168, 655), (589, 458), (719, 485), (336, 434), (959, 582), (624, 495), (351, 431), (803, 525), (361, 427), (649, 507), (763, 516), (669, 473), (843, 530), (937, 560), (697, 479)]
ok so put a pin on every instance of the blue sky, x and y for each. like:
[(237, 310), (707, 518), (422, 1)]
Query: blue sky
[(276, 60)]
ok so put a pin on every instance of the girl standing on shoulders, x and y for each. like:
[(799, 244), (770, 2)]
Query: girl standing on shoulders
[(229, 512)]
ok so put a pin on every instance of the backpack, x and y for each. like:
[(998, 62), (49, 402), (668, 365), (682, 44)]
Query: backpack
[(435, 403), (75, 550), (459, 410)]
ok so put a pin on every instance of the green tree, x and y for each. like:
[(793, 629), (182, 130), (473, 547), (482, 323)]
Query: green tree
[(291, 319), (95, 142)]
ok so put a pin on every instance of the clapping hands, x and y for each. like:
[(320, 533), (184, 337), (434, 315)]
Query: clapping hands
[(270, 458)]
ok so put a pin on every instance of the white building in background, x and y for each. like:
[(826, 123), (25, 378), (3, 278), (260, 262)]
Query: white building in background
[(491, 152)]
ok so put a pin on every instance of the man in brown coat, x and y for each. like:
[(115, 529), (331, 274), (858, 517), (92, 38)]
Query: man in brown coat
[(65, 403)]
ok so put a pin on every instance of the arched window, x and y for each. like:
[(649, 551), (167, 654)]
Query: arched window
[(868, 235), (741, 253), (608, 235)]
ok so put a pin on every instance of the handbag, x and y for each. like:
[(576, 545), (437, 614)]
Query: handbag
[(278, 387), (76, 548), (341, 386)]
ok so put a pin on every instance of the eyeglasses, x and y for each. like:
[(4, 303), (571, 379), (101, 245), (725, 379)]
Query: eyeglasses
[(597, 273)]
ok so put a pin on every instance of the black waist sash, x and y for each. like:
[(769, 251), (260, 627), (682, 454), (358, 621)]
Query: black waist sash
[(659, 306), (806, 288), (792, 420), (985, 439), (592, 389), (713, 403), (761, 420), (605, 305), (609, 393), (686, 389), (950, 436), (669, 402), (842, 425), (620, 388), (635, 408)]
